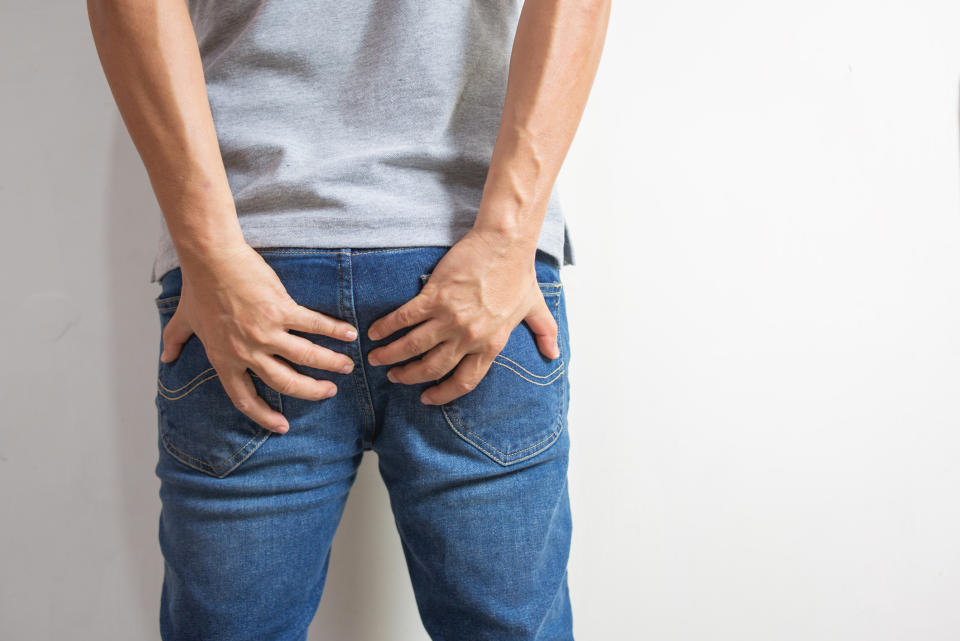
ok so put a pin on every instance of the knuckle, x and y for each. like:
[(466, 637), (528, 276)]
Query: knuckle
[(307, 355), (473, 332), (402, 316), (274, 312), (318, 325), (242, 404), (496, 344), (433, 370), (258, 336), (414, 344), (462, 317), (286, 384), (463, 386)]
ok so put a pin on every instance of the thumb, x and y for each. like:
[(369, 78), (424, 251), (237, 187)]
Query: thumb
[(544, 327), (175, 334)]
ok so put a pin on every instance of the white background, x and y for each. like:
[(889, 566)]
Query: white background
[(764, 316)]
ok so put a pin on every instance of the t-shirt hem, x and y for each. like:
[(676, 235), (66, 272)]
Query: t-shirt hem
[(554, 240)]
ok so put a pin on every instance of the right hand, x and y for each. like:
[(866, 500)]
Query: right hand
[(238, 308)]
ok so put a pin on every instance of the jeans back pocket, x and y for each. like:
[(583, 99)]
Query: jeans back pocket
[(518, 409), (199, 425)]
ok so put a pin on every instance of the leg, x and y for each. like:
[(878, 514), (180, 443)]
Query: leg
[(246, 557), (248, 516), (487, 552), (478, 488)]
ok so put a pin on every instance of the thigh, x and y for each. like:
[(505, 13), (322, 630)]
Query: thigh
[(245, 557), (479, 491), (248, 516), (487, 550)]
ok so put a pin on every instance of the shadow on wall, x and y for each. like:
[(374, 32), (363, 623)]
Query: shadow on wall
[(367, 594)]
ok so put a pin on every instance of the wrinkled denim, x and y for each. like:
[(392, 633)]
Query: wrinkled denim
[(478, 486)]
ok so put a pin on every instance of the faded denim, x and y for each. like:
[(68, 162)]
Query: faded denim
[(478, 486)]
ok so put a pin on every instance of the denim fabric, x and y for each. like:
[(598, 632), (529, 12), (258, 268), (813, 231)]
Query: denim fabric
[(478, 486)]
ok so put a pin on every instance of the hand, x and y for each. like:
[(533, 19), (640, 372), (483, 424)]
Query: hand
[(476, 295), (238, 308)]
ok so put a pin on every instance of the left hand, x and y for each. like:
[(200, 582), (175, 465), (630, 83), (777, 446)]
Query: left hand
[(476, 295)]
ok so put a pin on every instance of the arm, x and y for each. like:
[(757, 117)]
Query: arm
[(555, 56), (486, 283), (231, 299)]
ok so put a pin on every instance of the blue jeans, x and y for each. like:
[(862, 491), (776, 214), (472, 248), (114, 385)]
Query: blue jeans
[(478, 486)]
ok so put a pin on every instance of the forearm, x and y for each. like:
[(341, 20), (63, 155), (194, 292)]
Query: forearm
[(149, 54), (555, 56)]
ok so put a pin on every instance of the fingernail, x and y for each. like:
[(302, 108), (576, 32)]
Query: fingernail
[(374, 334), (426, 400), (281, 428), (390, 376), (373, 359), (346, 368), (350, 334)]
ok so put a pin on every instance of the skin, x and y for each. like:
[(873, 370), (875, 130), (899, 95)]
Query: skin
[(482, 288)]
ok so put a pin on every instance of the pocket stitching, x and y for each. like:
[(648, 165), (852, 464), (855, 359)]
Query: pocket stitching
[(163, 388), (546, 442), (558, 371), (219, 472), (239, 456)]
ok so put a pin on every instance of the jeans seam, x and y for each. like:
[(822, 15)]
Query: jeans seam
[(359, 374)]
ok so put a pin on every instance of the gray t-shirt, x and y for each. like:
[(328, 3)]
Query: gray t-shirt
[(357, 123)]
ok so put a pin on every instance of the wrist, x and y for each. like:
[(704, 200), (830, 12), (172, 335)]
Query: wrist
[(507, 239), (508, 246), (206, 253)]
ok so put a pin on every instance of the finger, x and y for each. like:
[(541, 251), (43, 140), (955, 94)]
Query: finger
[(175, 334), (301, 350), (289, 382), (433, 366), (410, 313), (465, 378), (413, 343), (239, 387), (307, 320), (544, 328)]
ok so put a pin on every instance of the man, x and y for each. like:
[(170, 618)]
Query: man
[(360, 250)]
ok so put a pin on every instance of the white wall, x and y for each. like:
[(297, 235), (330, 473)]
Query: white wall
[(764, 316)]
